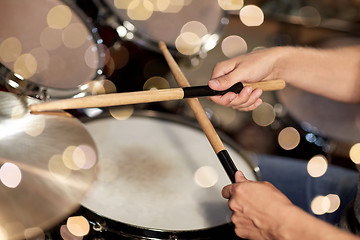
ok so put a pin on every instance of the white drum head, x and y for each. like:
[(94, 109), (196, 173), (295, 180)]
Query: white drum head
[(150, 171), (50, 45)]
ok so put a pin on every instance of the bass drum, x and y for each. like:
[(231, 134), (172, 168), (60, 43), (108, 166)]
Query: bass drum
[(159, 179), (55, 55)]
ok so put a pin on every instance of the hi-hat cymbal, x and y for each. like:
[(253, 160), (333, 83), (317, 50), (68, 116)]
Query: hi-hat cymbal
[(47, 164)]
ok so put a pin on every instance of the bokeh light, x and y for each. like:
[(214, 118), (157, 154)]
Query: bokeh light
[(334, 202), (355, 153), (10, 175), (25, 65), (59, 17), (74, 35), (51, 39), (174, 6), (317, 166), (91, 56), (251, 15), (98, 87), (195, 27), (35, 130), (121, 113), (156, 83), (188, 43), (10, 49), (57, 167), (78, 226), (35, 233), (320, 205), (264, 115), (289, 138), (309, 16), (140, 10), (84, 157), (68, 158), (233, 45), (231, 4), (206, 177), (122, 4), (67, 235)]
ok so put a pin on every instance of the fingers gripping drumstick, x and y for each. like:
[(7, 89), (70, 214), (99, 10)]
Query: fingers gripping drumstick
[(201, 116)]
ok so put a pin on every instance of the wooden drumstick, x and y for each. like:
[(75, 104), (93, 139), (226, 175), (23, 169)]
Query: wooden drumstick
[(116, 99), (201, 116)]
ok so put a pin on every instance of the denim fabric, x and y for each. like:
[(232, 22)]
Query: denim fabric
[(290, 176)]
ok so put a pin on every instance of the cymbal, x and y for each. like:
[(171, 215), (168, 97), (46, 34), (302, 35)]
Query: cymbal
[(47, 164)]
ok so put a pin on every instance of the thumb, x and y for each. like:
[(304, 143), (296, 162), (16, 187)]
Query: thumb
[(223, 82), (240, 177)]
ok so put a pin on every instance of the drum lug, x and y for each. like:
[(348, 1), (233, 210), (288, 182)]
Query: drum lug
[(98, 227)]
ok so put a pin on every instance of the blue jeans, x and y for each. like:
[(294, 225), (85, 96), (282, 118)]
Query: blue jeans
[(290, 176)]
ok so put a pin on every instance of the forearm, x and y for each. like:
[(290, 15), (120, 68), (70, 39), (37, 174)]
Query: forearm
[(300, 225), (333, 73)]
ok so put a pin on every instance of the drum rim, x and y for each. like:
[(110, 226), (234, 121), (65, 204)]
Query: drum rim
[(131, 229), (148, 43)]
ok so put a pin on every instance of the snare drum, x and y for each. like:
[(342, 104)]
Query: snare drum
[(159, 179), (51, 45)]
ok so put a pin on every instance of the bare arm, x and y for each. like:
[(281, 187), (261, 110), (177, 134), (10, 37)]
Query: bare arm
[(260, 211), (332, 73)]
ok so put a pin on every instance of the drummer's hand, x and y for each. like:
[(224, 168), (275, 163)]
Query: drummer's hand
[(259, 209), (252, 67)]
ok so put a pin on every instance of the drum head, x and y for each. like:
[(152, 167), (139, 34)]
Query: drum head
[(158, 174), (165, 24), (49, 43)]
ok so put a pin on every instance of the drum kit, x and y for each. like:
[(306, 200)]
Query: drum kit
[(150, 176)]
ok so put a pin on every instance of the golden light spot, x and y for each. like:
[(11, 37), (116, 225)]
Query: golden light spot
[(93, 54), (156, 83), (10, 175), (334, 202), (25, 65), (122, 4), (67, 235), (74, 35), (108, 170), (233, 46), (35, 130), (42, 58), (57, 167), (34, 233), (51, 39), (317, 166), (320, 205), (264, 115), (78, 226), (140, 10), (231, 4), (206, 177), (121, 113), (68, 158), (98, 87), (188, 43), (195, 27), (3, 233), (161, 5), (309, 16), (355, 153), (10, 49), (59, 17), (121, 57), (18, 112), (84, 157), (289, 138), (251, 15), (174, 6)]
